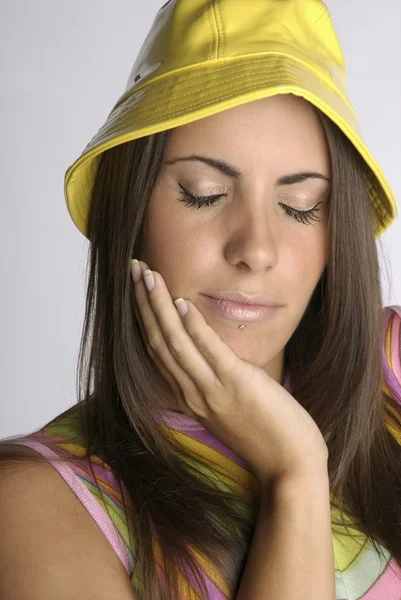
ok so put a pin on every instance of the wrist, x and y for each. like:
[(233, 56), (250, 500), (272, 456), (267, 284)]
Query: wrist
[(295, 487), (308, 483)]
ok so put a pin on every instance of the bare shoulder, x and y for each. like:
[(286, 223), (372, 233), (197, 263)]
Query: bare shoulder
[(50, 547)]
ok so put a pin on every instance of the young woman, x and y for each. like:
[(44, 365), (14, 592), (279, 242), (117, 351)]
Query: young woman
[(238, 427)]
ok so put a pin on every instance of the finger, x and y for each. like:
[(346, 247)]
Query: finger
[(157, 348), (178, 395), (195, 346), (161, 317)]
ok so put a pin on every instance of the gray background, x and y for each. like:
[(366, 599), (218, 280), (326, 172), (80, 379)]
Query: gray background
[(64, 65)]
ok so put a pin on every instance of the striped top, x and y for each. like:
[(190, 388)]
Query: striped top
[(360, 573)]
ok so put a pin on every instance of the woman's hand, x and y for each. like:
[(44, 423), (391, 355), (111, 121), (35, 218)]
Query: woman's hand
[(233, 399)]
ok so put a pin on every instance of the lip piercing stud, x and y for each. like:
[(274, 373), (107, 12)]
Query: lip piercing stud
[(241, 327)]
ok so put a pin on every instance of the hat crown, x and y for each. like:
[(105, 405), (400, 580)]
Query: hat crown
[(188, 32)]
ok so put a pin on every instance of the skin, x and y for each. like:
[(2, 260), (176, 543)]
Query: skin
[(246, 241)]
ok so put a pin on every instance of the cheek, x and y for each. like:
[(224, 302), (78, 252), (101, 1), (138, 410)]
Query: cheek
[(159, 230), (303, 262), (172, 248)]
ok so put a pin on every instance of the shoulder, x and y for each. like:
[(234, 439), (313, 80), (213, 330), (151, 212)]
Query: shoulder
[(47, 535), (391, 351), (391, 323), (391, 361)]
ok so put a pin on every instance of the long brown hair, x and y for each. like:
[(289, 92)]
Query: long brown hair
[(333, 359)]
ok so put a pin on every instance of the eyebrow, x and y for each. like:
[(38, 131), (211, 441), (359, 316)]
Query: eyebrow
[(229, 170)]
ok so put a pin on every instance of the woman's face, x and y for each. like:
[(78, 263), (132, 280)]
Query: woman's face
[(246, 241)]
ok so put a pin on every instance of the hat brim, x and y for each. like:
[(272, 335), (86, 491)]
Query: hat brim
[(206, 89)]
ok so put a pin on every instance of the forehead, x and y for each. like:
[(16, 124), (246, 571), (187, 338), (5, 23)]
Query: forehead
[(278, 132)]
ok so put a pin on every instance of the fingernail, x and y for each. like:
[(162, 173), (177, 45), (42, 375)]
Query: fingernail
[(136, 270), (149, 280), (182, 306)]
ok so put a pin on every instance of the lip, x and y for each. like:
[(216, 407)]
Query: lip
[(243, 298), (236, 311)]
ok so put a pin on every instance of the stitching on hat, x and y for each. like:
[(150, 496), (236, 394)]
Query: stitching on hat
[(209, 56), (254, 81), (226, 65), (287, 68), (256, 65), (222, 51)]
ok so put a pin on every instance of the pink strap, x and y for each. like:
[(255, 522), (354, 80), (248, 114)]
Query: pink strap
[(97, 512)]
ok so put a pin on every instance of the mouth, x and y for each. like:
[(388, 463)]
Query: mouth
[(241, 297), (239, 311)]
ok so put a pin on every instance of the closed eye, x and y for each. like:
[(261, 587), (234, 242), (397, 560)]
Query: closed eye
[(192, 200)]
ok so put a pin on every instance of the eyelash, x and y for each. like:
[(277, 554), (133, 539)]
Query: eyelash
[(302, 216)]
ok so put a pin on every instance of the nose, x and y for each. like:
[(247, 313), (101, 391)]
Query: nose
[(253, 238)]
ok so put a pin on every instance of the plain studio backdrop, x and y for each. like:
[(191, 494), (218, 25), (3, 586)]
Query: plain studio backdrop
[(64, 65)]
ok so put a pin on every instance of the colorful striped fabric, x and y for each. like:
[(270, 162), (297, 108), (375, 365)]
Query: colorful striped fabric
[(360, 573)]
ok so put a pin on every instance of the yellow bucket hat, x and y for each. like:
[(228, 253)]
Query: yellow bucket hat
[(201, 57)]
